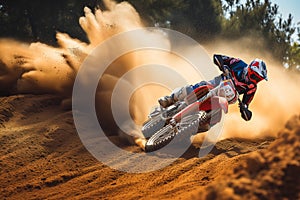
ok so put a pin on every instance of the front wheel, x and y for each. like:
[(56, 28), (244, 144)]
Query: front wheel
[(188, 126), (152, 126), (160, 138)]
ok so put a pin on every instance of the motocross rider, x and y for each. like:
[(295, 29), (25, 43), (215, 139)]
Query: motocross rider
[(246, 78)]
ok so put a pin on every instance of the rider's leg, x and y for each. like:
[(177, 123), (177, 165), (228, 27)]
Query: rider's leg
[(177, 95), (166, 101)]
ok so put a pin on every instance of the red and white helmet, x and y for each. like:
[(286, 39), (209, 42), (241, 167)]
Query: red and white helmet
[(257, 71)]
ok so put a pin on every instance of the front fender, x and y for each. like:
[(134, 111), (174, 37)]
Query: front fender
[(220, 102)]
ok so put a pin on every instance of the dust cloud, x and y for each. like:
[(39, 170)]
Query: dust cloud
[(38, 68)]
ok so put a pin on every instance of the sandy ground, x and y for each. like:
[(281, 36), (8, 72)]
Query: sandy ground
[(42, 157)]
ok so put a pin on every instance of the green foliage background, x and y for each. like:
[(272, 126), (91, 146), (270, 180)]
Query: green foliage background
[(38, 20)]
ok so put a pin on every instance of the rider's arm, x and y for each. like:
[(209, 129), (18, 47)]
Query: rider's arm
[(249, 94), (246, 114), (221, 60)]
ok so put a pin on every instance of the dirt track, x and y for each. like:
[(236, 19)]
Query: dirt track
[(41, 157)]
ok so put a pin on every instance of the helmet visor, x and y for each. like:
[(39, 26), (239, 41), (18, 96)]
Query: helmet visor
[(255, 77)]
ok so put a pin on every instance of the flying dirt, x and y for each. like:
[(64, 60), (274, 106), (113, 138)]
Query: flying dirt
[(42, 156), (42, 69)]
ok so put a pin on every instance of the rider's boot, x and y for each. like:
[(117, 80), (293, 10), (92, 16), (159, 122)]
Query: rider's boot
[(166, 101), (177, 94)]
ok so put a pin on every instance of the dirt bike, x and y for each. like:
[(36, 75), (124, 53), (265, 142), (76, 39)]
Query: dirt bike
[(197, 112)]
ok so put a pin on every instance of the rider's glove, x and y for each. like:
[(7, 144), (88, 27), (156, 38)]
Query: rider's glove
[(226, 70), (245, 113)]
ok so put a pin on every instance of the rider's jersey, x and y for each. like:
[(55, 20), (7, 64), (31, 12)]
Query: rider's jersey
[(238, 69)]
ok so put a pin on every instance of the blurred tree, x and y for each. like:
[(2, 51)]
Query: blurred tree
[(13, 23), (294, 54), (263, 20), (157, 11), (229, 5), (36, 20), (199, 19), (294, 57)]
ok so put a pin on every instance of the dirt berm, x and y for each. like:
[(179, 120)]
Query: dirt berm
[(42, 157)]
